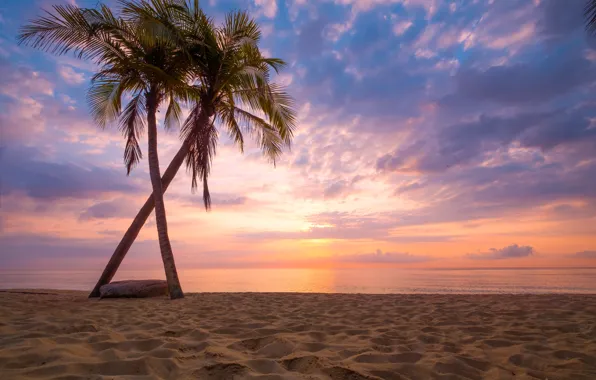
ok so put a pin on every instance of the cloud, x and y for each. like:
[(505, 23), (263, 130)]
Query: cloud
[(28, 171), (32, 114), (383, 257), (341, 188), (36, 251), (522, 35), (561, 18), (268, 7), (473, 142), (335, 189), (21, 81), (502, 26), (352, 226), (309, 41), (524, 83), (507, 191), (70, 76), (401, 27), (586, 255), (21, 119), (511, 252), (217, 200), (430, 6), (115, 208)]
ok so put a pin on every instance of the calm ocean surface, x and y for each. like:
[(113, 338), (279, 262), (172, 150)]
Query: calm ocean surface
[(385, 280)]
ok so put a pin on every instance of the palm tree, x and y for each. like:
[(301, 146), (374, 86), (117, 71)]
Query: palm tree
[(233, 80), (135, 61), (231, 88)]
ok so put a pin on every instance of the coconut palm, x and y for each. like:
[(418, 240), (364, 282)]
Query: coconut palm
[(134, 61), (236, 94), (231, 89)]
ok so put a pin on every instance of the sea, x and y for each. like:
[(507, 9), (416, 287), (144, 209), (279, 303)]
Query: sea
[(369, 280)]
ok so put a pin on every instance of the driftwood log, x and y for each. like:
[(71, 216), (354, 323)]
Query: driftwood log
[(134, 289)]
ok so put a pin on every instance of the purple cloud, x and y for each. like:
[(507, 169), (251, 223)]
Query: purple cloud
[(17, 81), (28, 171), (525, 83), (115, 208), (383, 257), (561, 18), (217, 199), (50, 252), (472, 142), (511, 252), (586, 255)]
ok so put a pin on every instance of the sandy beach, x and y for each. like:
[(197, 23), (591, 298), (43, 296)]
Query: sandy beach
[(64, 335)]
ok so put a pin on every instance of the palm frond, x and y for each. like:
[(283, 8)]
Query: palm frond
[(132, 126), (590, 16), (280, 108), (239, 28), (202, 136), (227, 117), (104, 98), (276, 64), (173, 115), (273, 101), (58, 33), (88, 33), (265, 134)]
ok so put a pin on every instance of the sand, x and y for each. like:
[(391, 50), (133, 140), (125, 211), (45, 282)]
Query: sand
[(298, 336)]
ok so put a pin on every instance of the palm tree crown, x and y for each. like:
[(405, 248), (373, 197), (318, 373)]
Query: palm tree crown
[(171, 50), (231, 84), (135, 63)]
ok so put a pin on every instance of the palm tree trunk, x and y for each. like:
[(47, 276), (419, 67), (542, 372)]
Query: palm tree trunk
[(139, 221), (160, 210)]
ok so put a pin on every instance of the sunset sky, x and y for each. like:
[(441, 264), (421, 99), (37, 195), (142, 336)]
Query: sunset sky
[(431, 134)]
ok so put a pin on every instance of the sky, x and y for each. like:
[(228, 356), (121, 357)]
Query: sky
[(430, 134)]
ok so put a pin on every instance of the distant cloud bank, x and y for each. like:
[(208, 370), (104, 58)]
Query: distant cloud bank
[(586, 255), (383, 257), (510, 252)]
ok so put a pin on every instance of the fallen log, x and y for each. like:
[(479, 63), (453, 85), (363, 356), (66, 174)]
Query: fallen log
[(134, 289)]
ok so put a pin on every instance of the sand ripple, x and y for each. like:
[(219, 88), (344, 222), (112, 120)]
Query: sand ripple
[(63, 335)]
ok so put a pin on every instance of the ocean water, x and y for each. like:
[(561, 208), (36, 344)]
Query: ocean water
[(370, 280)]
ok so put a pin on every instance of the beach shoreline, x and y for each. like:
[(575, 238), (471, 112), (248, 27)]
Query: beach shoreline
[(56, 334)]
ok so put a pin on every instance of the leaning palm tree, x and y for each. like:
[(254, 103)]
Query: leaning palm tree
[(232, 80), (236, 95), (135, 61)]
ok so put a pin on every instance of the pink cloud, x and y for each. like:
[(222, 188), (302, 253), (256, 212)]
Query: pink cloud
[(401, 27), (70, 76), (268, 7), (21, 81)]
